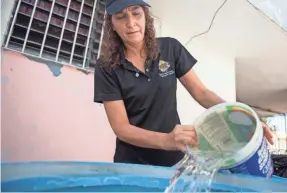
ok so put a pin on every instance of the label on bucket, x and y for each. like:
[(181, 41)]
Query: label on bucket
[(235, 130), (216, 132), (227, 128)]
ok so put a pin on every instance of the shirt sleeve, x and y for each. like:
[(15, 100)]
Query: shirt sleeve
[(184, 61), (106, 87)]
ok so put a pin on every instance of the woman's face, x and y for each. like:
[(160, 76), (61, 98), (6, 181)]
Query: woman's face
[(130, 24)]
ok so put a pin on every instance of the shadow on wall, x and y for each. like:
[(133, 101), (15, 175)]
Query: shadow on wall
[(48, 113)]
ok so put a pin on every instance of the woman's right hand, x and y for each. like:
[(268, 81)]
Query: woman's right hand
[(181, 136)]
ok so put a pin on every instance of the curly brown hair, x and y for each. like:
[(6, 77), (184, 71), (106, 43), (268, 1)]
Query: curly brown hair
[(112, 43)]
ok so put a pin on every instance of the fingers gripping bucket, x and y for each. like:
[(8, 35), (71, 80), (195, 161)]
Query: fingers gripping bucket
[(235, 130)]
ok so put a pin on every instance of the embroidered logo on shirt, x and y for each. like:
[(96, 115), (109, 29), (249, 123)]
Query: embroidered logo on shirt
[(163, 65), (164, 68)]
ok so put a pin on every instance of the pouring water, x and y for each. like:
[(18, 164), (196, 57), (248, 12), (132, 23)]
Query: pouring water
[(230, 140), (199, 167)]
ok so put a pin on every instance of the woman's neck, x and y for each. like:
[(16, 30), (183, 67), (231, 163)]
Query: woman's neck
[(137, 55), (135, 50)]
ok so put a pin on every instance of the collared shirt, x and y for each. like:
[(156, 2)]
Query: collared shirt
[(149, 97)]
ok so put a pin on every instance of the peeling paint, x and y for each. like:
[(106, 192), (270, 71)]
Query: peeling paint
[(4, 80), (84, 71), (54, 67)]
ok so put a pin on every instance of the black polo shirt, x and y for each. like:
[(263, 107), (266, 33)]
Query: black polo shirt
[(149, 98)]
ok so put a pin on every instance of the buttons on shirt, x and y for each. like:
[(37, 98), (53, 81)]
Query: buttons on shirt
[(147, 74), (137, 74)]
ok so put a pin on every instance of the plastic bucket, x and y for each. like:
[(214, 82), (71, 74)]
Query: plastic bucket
[(117, 177), (234, 130)]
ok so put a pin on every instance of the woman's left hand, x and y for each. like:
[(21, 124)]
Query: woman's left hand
[(267, 133)]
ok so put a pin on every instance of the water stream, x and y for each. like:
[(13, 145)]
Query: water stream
[(200, 167)]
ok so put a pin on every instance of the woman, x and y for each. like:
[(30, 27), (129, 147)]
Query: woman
[(136, 79)]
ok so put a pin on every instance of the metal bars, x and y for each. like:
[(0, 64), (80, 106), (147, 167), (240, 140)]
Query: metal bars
[(63, 30), (56, 30), (102, 34), (77, 30), (47, 28), (13, 23), (89, 35), (29, 27)]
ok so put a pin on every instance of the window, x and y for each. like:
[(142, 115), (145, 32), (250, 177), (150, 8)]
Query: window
[(278, 123), (64, 31)]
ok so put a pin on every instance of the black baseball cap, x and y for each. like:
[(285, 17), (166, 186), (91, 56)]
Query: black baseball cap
[(114, 6)]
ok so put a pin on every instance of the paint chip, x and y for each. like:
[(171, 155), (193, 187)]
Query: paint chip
[(54, 67), (4, 80)]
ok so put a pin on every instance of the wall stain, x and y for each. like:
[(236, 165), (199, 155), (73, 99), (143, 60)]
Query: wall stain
[(4, 80), (54, 67)]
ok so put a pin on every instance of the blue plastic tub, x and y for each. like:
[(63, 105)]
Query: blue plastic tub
[(114, 177)]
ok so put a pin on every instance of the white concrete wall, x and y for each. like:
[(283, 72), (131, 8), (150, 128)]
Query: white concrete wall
[(6, 10), (239, 31), (218, 74), (215, 67)]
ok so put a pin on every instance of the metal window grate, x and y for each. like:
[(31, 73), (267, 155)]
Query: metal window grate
[(64, 31), (278, 123)]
